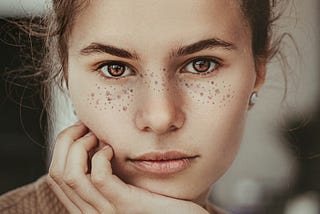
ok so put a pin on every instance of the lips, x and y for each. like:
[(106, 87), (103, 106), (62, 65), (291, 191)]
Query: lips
[(162, 163)]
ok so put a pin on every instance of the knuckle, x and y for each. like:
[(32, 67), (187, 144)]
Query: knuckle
[(77, 146), (98, 179), (63, 136), (56, 175), (71, 180)]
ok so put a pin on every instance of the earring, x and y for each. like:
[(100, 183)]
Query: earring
[(253, 98)]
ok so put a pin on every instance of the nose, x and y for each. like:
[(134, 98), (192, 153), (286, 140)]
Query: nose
[(160, 112)]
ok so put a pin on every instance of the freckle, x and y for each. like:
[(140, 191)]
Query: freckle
[(131, 90), (164, 69), (186, 84), (201, 94), (156, 82), (228, 95), (92, 94), (125, 108), (112, 107), (217, 91), (212, 82)]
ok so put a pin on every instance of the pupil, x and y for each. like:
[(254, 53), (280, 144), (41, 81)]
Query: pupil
[(201, 65), (116, 70)]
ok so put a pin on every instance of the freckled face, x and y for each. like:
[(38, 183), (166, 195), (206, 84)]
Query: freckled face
[(166, 75)]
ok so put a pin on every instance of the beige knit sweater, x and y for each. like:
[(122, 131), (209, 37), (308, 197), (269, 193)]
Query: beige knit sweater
[(33, 198)]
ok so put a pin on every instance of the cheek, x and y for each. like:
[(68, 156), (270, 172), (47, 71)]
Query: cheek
[(102, 107), (106, 98), (210, 92)]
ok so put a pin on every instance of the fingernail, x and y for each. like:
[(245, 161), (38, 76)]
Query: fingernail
[(106, 147), (88, 134)]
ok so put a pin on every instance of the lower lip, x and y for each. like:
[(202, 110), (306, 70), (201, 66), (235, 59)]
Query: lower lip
[(163, 167)]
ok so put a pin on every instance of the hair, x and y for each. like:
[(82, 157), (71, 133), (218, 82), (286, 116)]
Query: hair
[(55, 29)]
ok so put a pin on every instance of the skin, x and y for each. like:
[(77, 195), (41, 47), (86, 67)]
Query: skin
[(162, 104)]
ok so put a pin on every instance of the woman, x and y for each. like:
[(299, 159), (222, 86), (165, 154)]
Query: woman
[(162, 90)]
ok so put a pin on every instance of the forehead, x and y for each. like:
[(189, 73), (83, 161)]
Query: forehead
[(155, 22)]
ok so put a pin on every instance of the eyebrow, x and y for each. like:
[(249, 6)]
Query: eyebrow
[(203, 45), (95, 48)]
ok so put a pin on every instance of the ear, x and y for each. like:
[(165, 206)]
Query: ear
[(260, 78)]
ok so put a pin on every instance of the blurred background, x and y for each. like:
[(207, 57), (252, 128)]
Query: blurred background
[(278, 166)]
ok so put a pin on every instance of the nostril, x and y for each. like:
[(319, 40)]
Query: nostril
[(172, 128), (146, 129)]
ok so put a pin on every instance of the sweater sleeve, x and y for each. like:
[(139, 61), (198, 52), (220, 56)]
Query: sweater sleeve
[(33, 198)]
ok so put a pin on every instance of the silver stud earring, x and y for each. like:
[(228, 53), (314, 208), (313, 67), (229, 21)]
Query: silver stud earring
[(253, 98)]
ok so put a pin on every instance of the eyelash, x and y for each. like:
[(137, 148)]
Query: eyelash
[(213, 61)]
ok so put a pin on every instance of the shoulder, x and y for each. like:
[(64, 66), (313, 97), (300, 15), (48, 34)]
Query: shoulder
[(36, 197)]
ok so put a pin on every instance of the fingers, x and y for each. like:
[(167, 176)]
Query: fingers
[(57, 167), (68, 168), (101, 176), (62, 145), (76, 178)]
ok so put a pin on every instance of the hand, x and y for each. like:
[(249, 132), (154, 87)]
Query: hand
[(97, 190)]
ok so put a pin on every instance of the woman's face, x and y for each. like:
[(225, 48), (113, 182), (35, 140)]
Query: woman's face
[(166, 84)]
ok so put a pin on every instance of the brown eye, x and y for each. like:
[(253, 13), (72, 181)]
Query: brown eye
[(201, 65), (114, 70)]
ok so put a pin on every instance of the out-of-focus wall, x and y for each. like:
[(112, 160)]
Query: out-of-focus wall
[(21, 7)]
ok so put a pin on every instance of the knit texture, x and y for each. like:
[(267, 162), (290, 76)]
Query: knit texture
[(33, 198)]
